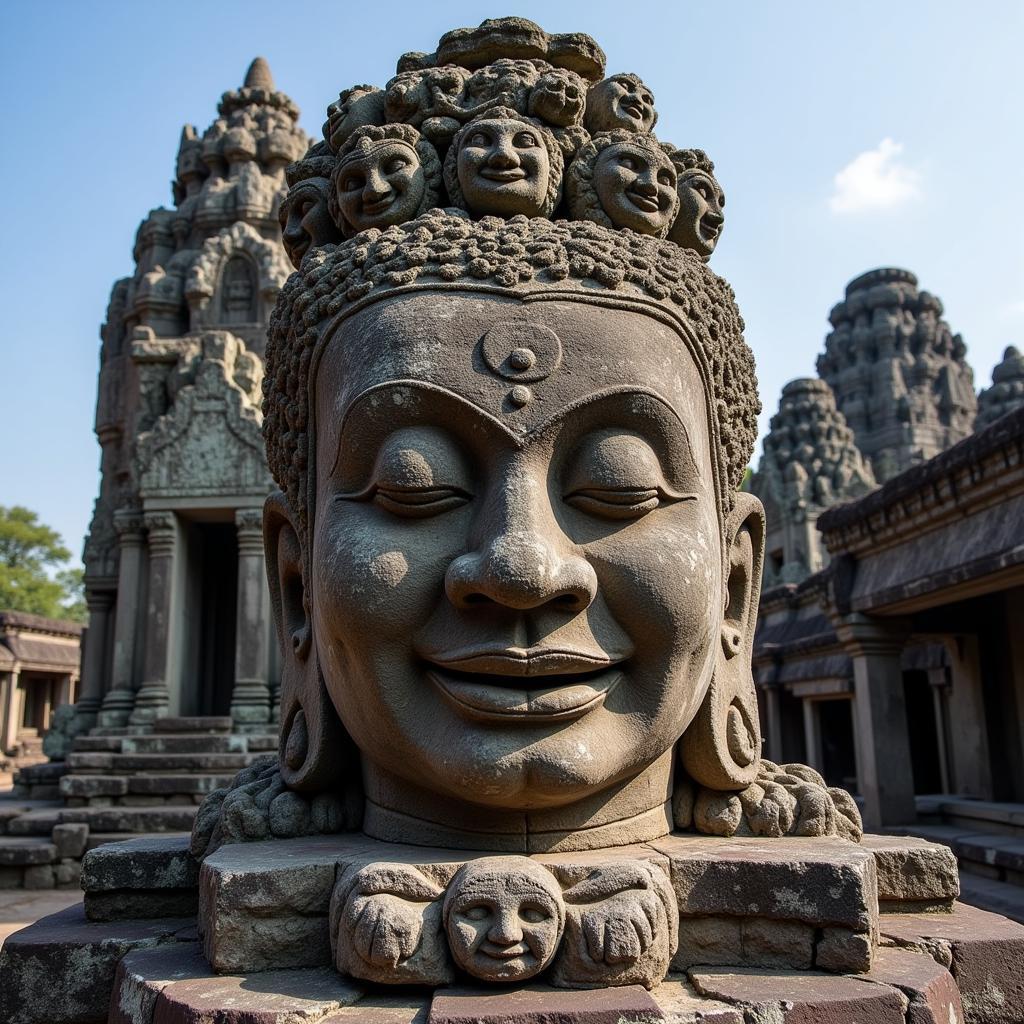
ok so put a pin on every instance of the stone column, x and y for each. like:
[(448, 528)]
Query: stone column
[(968, 730), (120, 698), (812, 733), (773, 709), (250, 698), (886, 775), (91, 688), (939, 682), (10, 710), (153, 698)]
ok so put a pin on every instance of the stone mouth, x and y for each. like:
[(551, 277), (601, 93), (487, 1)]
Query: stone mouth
[(503, 177), (646, 203), (510, 698)]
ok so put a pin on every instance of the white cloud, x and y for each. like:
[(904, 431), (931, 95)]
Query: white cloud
[(875, 180)]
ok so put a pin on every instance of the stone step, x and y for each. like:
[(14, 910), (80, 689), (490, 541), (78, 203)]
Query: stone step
[(35, 823), (193, 723), (997, 897), (117, 764), (993, 855), (94, 743), (144, 818), (184, 743), (20, 851), (262, 743), (166, 785)]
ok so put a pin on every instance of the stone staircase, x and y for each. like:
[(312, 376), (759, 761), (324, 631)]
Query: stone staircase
[(115, 784), (988, 841)]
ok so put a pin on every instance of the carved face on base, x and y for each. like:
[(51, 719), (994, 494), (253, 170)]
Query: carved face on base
[(622, 101), (504, 918), (380, 185), (636, 187), (305, 219), (503, 168), (701, 217), (516, 575)]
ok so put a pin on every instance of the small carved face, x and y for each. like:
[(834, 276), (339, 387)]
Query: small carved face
[(504, 925), (380, 186), (359, 107), (636, 187), (701, 213), (622, 101), (503, 168), (305, 220), (558, 98)]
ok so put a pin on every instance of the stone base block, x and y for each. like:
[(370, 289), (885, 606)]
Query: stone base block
[(983, 951), (913, 874), (61, 969), (793, 903), (541, 1005)]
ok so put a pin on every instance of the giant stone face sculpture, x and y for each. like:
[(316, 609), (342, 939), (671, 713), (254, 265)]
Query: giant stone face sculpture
[(514, 580)]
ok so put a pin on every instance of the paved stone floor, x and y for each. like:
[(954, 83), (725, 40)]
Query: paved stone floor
[(19, 907)]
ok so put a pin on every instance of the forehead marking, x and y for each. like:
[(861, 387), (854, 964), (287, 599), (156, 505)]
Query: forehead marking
[(522, 352)]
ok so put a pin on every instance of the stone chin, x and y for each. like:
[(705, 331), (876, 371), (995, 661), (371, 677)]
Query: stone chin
[(515, 603)]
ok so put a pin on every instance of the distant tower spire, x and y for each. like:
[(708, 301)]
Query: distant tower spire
[(258, 76)]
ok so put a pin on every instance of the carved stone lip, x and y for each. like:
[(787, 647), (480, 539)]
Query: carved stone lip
[(498, 699), (524, 661), (634, 110), (378, 207), (646, 203), (710, 226), (512, 174)]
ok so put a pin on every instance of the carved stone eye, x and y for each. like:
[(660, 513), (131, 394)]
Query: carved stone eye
[(477, 912), (353, 183), (396, 164), (630, 163), (525, 140), (665, 178), (533, 915), (479, 140)]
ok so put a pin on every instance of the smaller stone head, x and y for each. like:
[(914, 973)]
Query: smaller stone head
[(304, 215), (504, 918), (622, 101), (624, 180), (698, 226), (504, 164), (559, 98), (354, 108), (383, 176)]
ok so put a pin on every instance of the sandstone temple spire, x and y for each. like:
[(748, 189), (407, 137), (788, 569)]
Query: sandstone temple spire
[(259, 76)]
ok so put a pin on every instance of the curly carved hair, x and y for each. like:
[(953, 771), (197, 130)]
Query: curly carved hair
[(555, 160), (583, 200), (515, 256), (689, 159), (362, 141), (317, 163)]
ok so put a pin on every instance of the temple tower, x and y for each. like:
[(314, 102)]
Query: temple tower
[(810, 462), (897, 371), (1006, 392), (179, 617)]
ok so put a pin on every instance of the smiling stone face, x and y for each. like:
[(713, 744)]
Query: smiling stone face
[(622, 101), (378, 185), (636, 186), (701, 217), (305, 218), (516, 575), (504, 918), (504, 168)]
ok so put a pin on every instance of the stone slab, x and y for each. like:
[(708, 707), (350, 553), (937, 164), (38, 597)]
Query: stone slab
[(93, 785), (821, 881), (61, 969), (147, 863), (679, 1002), (911, 869), (20, 851), (271, 997), (144, 973), (542, 1005), (984, 952), (193, 723), (802, 997), (70, 839), (934, 997)]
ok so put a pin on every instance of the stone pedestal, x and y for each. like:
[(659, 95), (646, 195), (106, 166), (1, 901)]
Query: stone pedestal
[(153, 698), (250, 699), (120, 698)]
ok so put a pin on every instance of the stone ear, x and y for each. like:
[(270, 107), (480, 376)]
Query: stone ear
[(316, 754), (721, 749)]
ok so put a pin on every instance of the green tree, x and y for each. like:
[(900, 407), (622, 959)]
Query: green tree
[(34, 576)]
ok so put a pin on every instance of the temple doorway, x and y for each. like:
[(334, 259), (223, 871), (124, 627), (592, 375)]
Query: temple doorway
[(212, 587), (921, 726), (838, 757)]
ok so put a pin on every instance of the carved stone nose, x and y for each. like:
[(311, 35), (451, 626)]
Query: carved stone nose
[(504, 156), (521, 570)]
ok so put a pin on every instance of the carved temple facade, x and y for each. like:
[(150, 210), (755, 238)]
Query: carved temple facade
[(886, 654), (179, 617)]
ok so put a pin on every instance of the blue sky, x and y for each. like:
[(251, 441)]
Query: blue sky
[(846, 136)]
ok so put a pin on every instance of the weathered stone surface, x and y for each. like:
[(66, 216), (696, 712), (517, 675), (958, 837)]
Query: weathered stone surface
[(738, 942), (541, 1005), (984, 953), (911, 869), (61, 969), (144, 973), (93, 785), (824, 881), (802, 998), (842, 950), (70, 839), (147, 863), (271, 997), (680, 1004), (132, 904), (39, 876), (24, 850), (934, 997)]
